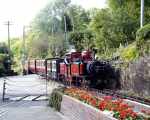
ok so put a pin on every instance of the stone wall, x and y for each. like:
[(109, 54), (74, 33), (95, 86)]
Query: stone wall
[(136, 77), (77, 110)]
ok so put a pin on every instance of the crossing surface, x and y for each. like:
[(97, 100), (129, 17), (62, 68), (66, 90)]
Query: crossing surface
[(27, 99)]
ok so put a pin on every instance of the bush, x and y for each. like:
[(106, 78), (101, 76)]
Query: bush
[(56, 98), (143, 33), (3, 69), (129, 53), (143, 39)]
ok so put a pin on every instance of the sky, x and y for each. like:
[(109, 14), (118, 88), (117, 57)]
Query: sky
[(22, 12)]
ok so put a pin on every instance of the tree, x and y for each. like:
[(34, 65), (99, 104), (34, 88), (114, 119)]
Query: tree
[(38, 44), (82, 40), (117, 24), (79, 17), (132, 8), (3, 48), (4, 59)]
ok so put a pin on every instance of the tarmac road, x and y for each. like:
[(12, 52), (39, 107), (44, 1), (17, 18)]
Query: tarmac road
[(26, 109)]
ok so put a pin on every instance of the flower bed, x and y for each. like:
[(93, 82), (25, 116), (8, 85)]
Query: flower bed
[(117, 108)]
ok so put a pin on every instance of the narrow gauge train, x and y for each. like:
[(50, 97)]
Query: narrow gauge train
[(78, 68)]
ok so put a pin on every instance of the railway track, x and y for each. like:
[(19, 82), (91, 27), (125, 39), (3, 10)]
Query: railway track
[(113, 93), (116, 94)]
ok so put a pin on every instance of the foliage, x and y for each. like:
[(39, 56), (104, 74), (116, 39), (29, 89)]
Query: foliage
[(79, 16), (103, 29), (81, 40), (56, 98), (143, 33), (143, 39), (3, 48), (47, 35), (129, 53), (117, 24), (2, 65), (38, 44), (112, 29), (57, 45), (4, 57), (132, 7), (17, 51)]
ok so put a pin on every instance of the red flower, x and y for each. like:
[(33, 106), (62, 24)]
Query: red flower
[(93, 102), (102, 105)]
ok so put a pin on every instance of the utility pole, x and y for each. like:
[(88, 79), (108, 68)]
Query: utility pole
[(72, 23), (24, 55), (142, 13), (8, 29), (65, 22), (24, 50), (9, 49)]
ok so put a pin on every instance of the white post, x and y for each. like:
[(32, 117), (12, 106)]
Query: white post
[(142, 13)]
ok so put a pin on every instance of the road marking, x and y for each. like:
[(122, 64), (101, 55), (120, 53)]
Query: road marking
[(36, 98), (42, 98), (29, 98)]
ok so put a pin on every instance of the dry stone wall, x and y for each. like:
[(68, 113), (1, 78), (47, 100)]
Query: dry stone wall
[(136, 77)]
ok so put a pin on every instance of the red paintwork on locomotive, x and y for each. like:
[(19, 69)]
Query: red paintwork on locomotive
[(77, 69), (87, 56), (82, 66), (75, 56)]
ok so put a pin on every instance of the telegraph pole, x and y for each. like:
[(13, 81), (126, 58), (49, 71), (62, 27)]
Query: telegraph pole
[(65, 22), (142, 13), (8, 30), (23, 52), (9, 49)]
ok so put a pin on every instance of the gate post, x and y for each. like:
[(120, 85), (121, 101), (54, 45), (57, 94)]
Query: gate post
[(4, 88)]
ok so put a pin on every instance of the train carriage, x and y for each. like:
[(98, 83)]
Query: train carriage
[(32, 66), (40, 67)]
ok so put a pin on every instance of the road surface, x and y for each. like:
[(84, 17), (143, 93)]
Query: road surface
[(25, 89)]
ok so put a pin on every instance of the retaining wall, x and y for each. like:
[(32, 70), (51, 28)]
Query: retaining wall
[(77, 110)]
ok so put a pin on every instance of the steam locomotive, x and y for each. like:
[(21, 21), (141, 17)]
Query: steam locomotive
[(77, 68)]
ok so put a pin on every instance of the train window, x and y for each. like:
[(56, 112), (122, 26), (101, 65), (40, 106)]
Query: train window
[(53, 65)]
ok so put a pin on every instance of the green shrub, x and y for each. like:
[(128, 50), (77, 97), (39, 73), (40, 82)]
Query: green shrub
[(3, 58), (143, 39), (129, 53), (56, 98), (143, 33)]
